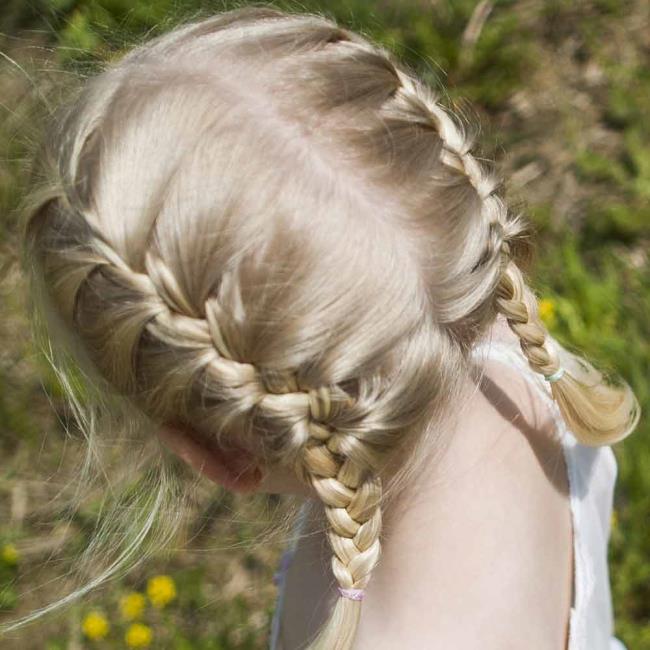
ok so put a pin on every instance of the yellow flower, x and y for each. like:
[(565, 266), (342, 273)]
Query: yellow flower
[(95, 626), (9, 554), (132, 605), (161, 590), (138, 635), (546, 308)]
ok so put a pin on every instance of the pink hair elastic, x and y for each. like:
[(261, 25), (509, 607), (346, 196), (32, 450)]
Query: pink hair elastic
[(352, 594)]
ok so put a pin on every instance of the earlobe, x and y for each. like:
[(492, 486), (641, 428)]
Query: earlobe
[(234, 470)]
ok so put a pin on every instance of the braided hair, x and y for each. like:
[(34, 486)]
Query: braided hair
[(263, 225), (596, 412)]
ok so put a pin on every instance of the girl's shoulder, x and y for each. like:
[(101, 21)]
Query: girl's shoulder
[(591, 472), (496, 510)]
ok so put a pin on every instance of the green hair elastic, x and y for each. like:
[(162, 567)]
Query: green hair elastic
[(555, 376)]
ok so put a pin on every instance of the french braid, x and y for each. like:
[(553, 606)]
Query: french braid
[(341, 469), (597, 413), (505, 233)]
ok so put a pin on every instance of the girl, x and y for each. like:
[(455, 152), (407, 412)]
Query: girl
[(270, 239)]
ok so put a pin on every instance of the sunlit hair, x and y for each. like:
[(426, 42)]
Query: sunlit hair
[(264, 227)]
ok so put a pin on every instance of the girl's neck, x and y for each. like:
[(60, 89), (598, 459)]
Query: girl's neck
[(311, 590), (444, 497)]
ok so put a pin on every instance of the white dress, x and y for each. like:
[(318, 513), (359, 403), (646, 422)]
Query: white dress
[(592, 475)]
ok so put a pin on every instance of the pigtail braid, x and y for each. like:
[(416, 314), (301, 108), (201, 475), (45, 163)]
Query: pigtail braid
[(352, 496), (595, 411), (506, 234), (341, 468)]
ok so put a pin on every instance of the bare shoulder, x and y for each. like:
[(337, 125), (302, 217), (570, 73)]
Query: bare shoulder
[(481, 554)]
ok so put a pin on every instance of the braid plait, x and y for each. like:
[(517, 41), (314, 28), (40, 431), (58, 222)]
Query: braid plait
[(506, 233), (455, 154), (596, 412), (334, 463), (456, 144), (510, 287), (351, 494), (511, 301), (502, 230)]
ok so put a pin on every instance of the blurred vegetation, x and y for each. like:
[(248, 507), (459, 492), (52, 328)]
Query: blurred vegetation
[(561, 88)]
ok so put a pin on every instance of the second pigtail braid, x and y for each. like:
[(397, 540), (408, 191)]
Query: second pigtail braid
[(597, 413)]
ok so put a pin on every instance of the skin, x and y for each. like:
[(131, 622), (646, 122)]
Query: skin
[(238, 471), (494, 566)]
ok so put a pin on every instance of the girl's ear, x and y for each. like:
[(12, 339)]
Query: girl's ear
[(234, 470)]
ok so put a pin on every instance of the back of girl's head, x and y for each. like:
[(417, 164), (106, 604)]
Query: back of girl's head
[(264, 227)]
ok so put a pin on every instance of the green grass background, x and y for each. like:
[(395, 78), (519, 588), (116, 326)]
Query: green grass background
[(562, 90)]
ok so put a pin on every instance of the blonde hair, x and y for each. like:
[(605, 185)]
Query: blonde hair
[(265, 227)]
